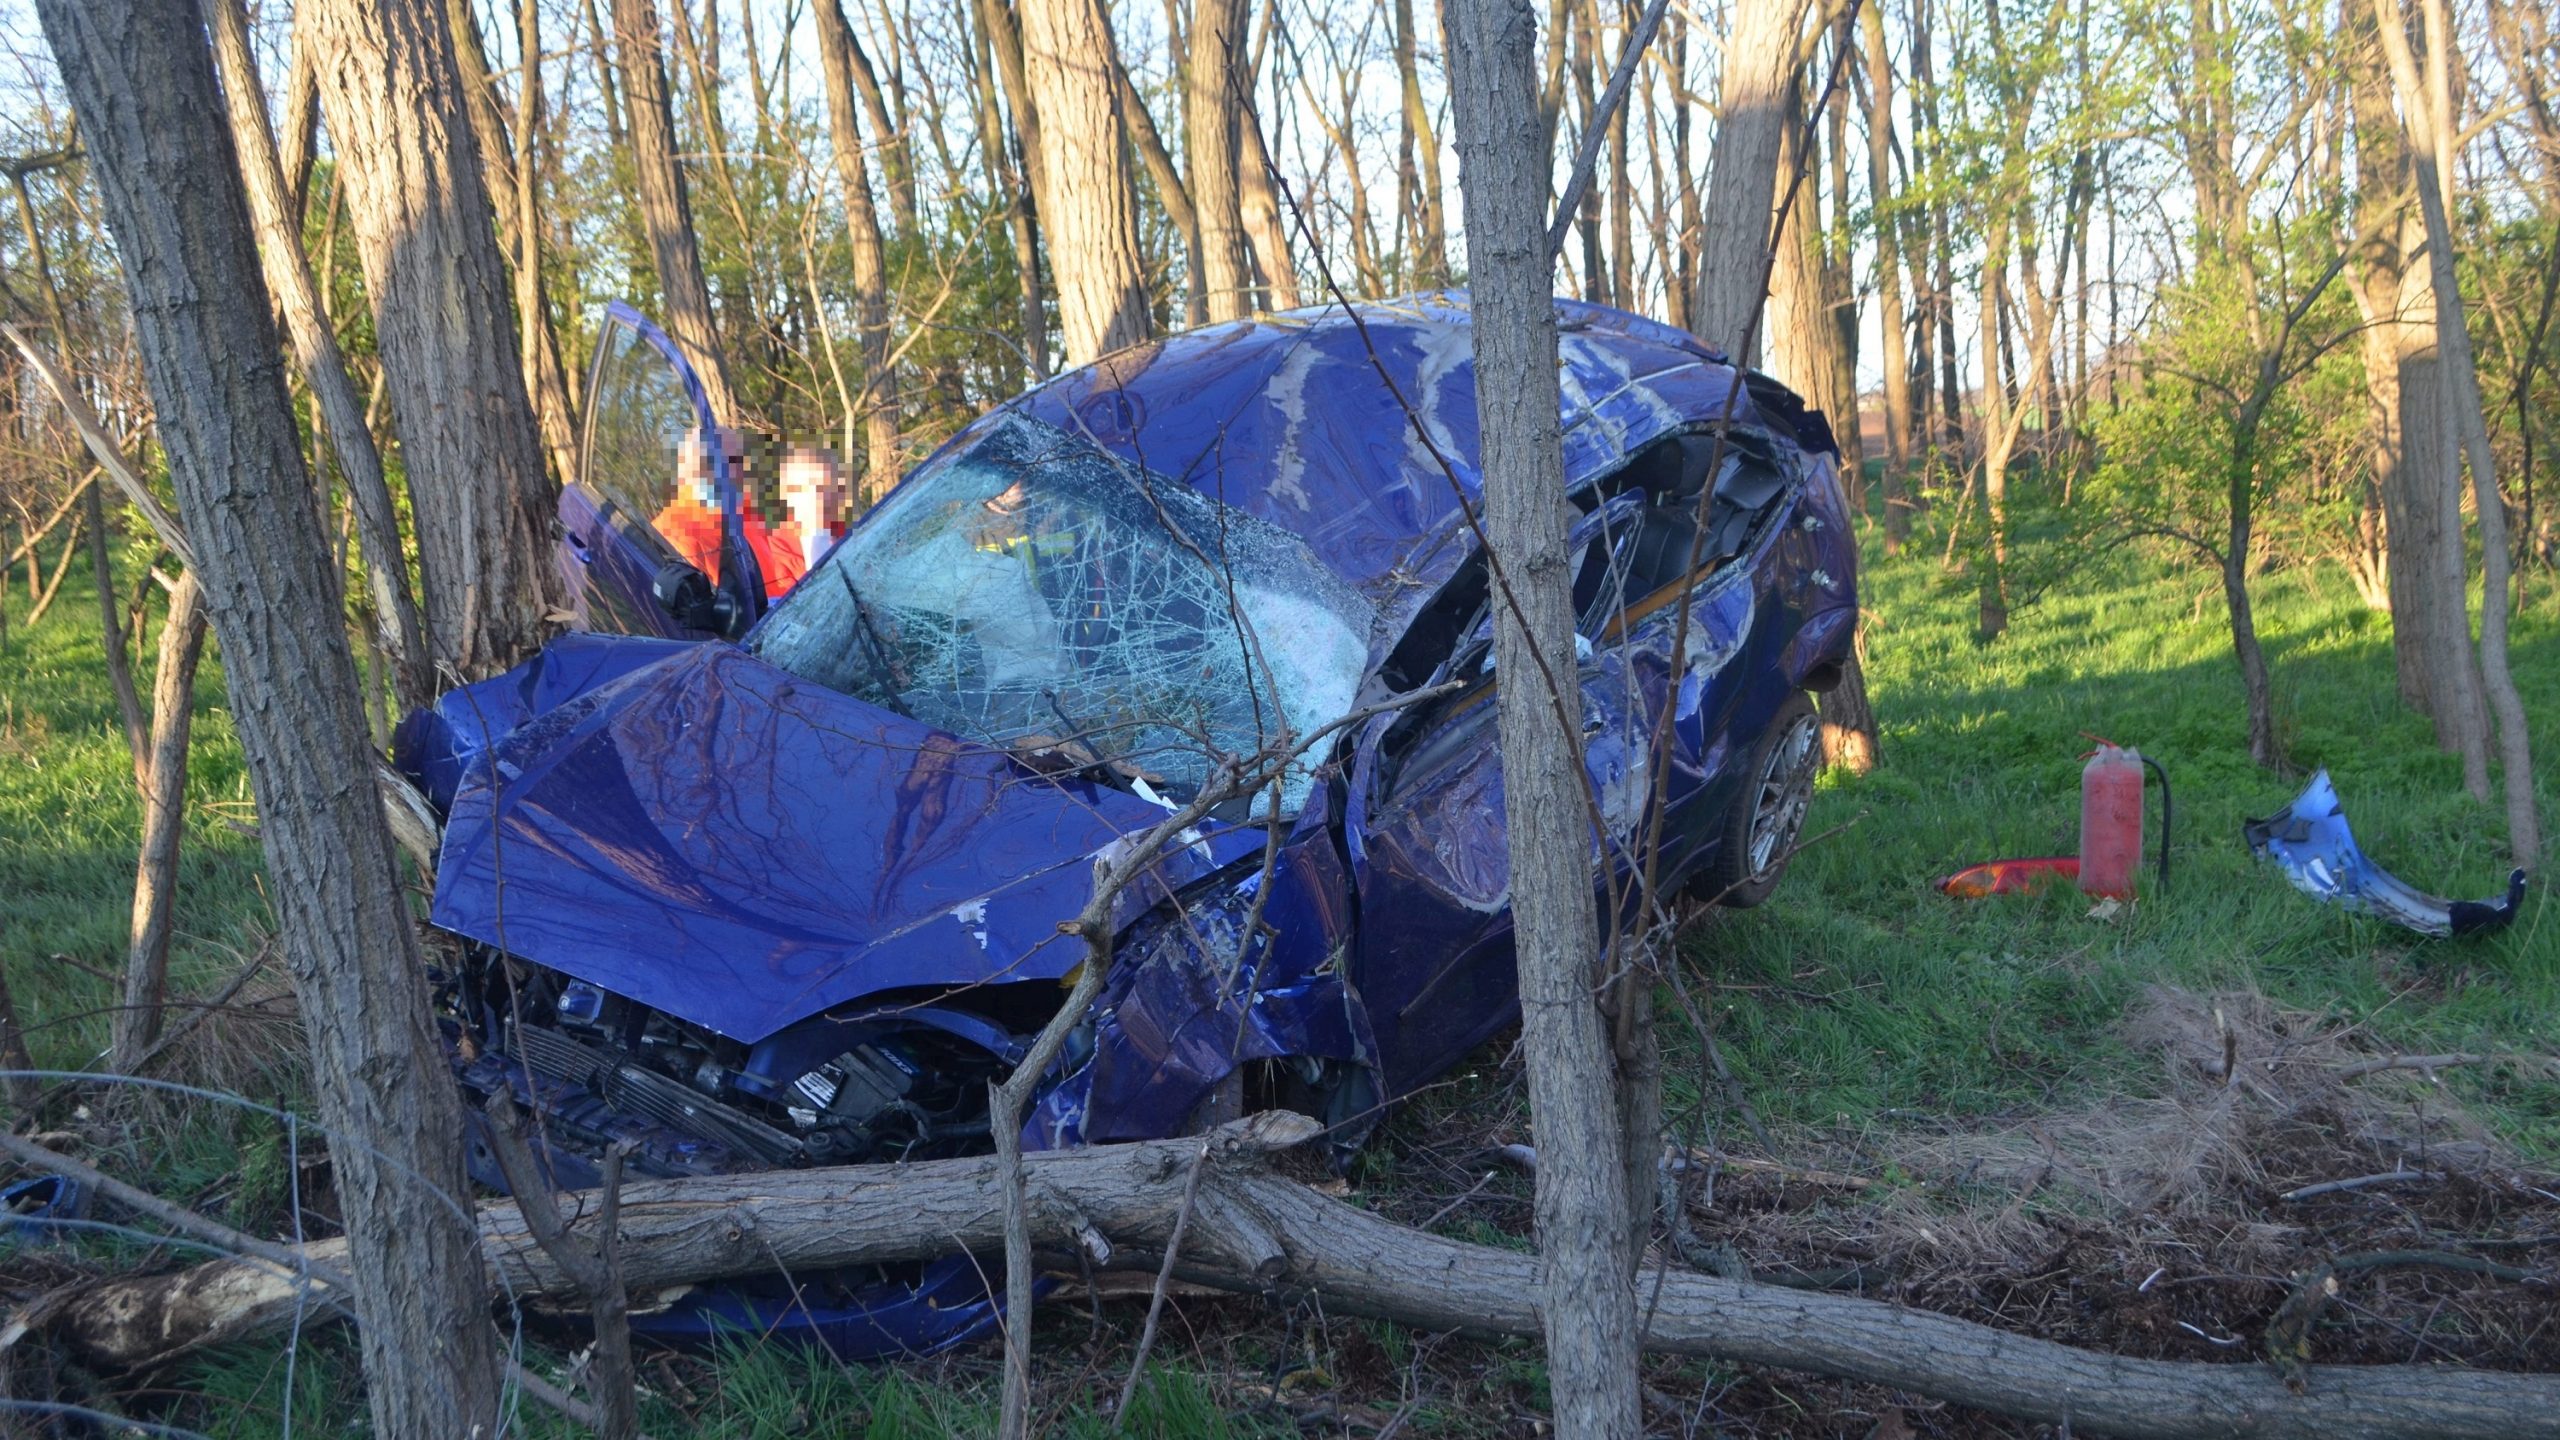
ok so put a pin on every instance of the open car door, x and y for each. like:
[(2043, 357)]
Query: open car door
[(657, 491)]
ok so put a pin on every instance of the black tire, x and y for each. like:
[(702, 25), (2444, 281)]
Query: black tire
[(1759, 831)]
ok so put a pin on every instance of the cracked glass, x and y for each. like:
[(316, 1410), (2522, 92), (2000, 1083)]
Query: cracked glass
[(1037, 593)]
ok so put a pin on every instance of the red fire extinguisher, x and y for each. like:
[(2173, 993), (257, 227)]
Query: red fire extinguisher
[(2111, 820)]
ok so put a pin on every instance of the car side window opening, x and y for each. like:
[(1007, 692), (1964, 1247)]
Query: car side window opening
[(643, 446), (1635, 540)]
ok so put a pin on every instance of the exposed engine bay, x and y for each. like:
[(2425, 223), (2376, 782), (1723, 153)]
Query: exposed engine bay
[(901, 1080)]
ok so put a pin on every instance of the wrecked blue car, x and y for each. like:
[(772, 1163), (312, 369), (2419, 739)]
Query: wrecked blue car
[(751, 890)]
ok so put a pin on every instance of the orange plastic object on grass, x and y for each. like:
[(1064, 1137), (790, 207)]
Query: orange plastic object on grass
[(2009, 877)]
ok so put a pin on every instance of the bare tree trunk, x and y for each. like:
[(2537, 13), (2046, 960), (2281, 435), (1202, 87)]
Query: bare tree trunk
[(1265, 229), (483, 503), (1170, 189), (1891, 356), (1804, 351), (1622, 190), (1759, 76), (666, 206), (1213, 110), (1680, 288), (1586, 1298), (506, 167), (1252, 1231), (315, 351), (1017, 168), (2426, 113), (879, 402), (1999, 439), (2420, 484), (92, 506), (1085, 195), (1429, 263), (141, 79), (1595, 271), (164, 796), (301, 122), (897, 157)]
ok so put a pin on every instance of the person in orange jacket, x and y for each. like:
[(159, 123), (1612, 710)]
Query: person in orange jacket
[(691, 521), (813, 501)]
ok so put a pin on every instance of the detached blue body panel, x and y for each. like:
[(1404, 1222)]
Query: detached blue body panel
[(743, 850), (2310, 841)]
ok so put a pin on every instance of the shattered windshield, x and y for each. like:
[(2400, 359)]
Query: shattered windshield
[(1035, 592)]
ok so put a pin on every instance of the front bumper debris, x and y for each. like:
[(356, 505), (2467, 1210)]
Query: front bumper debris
[(2310, 840)]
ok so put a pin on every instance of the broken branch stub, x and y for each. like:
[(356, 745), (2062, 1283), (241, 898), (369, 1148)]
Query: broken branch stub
[(1254, 1231)]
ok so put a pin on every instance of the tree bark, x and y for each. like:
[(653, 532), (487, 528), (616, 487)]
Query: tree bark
[(1585, 1295), (300, 141), (1266, 229), (315, 351), (1428, 265), (1999, 439), (666, 206), (141, 79), (1086, 200), (505, 165), (2426, 114), (879, 401), (1891, 356), (1212, 111), (164, 796), (484, 505), (1017, 167), (1171, 192), (2421, 491), (92, 506), (1759, 77), (1252, 1231)]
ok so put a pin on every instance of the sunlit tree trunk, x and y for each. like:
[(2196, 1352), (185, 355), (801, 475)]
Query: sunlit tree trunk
[(1087, 202), (666, 206), (315, 347), (484, 505), (1891, 356), (1266, 228), (506, 166), (1588, 1302), (164, 795), (1004, 45), (2427, 116), (140, 76), (2413, 443), (1217, 67), (1759, 76), (1428, 264), (879, 401)]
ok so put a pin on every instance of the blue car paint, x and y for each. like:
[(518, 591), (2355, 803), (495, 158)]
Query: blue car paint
[(699, 831), (2309, 840), (721, 840)]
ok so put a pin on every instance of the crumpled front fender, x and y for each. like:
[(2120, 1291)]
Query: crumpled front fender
[(1193, 995)]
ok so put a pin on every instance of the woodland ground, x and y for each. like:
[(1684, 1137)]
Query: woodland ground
[(2020, 1114)]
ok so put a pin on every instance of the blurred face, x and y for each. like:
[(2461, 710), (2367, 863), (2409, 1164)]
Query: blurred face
[(810, 488), (694, 479)]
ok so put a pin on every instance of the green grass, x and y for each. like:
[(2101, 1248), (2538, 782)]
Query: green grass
[(1860, 990), (1857, 997), (70, 820)]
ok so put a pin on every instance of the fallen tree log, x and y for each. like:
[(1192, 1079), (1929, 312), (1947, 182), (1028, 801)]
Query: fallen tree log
[(1256, 1231)]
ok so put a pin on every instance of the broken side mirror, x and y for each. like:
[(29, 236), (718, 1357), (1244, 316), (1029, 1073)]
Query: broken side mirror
[(684, 592)]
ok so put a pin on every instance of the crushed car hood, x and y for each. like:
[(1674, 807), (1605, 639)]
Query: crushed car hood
[(721, 840)]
